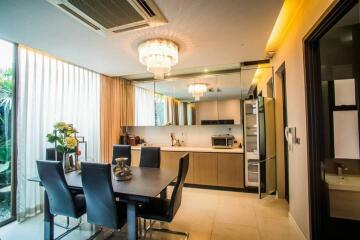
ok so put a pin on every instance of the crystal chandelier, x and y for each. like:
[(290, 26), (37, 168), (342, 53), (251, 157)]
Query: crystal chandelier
[(197, 90), (158, 55)]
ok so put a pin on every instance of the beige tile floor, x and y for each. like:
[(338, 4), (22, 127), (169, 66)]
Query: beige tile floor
[(209, 214), (205, 214)]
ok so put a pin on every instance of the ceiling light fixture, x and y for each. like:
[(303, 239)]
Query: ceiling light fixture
[(197, 90), (158, 55)]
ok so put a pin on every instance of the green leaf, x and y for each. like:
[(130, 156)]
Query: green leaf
[(51, 138), (60, 149)]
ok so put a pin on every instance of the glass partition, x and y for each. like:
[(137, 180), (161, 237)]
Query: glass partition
[(7, 209)]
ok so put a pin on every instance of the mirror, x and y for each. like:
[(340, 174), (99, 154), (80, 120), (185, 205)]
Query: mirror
[(209, 99), (201, 100), (144, 107)]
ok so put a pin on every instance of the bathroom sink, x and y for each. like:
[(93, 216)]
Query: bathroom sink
[(347, 183)]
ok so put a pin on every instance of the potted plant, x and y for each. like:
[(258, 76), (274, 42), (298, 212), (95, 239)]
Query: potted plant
[(64, 138)]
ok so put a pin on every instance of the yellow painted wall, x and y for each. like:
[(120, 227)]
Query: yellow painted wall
[(290, 51)]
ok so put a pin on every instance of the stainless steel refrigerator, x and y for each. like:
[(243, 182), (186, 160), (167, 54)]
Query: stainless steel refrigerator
[(259, 136)]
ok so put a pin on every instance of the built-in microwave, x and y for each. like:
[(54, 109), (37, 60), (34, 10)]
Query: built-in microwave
[(222, 141)]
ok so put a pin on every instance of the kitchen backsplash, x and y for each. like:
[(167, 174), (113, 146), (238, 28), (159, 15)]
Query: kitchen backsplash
[(193, 136)]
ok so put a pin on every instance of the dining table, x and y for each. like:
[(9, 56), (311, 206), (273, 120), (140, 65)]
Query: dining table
[(146, 183)]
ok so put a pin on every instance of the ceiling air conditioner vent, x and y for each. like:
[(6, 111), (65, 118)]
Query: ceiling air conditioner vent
[(109, 17), (131, 28), (146, 8), (65, 8)]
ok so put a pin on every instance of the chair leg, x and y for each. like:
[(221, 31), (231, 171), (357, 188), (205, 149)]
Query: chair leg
[(69, 231), (165, 230), (95, 234), (62, 226)]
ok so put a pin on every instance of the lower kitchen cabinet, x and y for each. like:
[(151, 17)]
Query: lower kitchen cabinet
[(135, 157), (171, 159), (210, 169), (205, 168), (231, 170)]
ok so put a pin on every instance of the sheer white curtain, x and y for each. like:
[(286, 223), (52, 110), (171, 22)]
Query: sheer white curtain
[(144, 107), (49, 91)]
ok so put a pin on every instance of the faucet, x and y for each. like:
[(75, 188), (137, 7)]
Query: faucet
[(172, 135), (340, 170)]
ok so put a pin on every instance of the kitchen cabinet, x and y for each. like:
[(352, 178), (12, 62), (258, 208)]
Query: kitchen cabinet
[(135, 158), (229, 109), (170, 159), (231, 170), (206, 168)]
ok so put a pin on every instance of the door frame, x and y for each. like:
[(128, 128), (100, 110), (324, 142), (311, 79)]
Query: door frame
[(313, 107), (281, 73)]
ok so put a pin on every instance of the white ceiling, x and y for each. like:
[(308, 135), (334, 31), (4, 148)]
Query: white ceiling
[(209, 32)]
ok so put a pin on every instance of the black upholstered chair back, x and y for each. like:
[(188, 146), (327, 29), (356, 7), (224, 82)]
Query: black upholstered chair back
[(150, 157), (122, 151), (176, 196), (50, 154), (100, 201), (52, 177)]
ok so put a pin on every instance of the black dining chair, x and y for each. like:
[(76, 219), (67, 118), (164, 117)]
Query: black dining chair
[(61, 200), (50, 154), (150, 157), (121, 151), (102, 209), (164, 210)]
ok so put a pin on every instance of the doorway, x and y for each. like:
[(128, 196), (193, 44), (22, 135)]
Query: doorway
[(332, 66)]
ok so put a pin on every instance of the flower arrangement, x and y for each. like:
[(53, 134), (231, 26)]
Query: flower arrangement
[(64, 137)]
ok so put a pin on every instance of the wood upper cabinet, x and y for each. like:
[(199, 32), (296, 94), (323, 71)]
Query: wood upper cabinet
[(171, 160), (205, 168), (231, 170), (135, 157)]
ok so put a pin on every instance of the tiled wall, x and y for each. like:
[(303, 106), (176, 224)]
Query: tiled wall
[(193, 136)]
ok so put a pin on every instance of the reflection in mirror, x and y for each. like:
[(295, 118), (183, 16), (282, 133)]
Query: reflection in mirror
[(201, 100), (144, 104), (209, 99)]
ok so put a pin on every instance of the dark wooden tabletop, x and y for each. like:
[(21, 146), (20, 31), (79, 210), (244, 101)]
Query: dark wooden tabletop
[(145, 182)]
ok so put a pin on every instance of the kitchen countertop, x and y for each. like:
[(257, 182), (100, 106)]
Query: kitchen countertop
[(196, 149)]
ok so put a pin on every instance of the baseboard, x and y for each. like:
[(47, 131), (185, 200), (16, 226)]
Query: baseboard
[(293, 222)]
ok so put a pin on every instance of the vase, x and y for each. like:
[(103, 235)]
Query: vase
[(121, 171), (66, 162)]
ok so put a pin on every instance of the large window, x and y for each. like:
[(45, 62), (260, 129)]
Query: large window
[(6, 130), (50, 91)]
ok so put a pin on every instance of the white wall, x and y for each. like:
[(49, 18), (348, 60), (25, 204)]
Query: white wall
[(194, 136), (291, 52)]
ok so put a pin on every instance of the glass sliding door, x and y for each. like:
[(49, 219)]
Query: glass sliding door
[(7, 83)]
